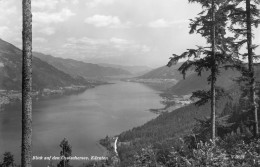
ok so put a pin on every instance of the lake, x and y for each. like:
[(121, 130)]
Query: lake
[(83, 119)]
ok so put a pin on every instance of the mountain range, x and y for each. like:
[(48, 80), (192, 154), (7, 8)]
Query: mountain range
[(44, 74), (54, 72), (164, 72), (77, 68), (48, 71), (192, 81)]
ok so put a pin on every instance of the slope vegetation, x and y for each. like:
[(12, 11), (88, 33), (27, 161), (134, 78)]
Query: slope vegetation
[(44, 74)]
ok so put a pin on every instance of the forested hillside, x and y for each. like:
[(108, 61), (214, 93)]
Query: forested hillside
[(44, 74), (194, 82), (164, 73)]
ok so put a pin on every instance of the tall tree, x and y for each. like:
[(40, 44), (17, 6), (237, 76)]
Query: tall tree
[(213, 73), (26, 158), (211, 24), (244, 16), (251, 65), (65, 153), (8, 160)]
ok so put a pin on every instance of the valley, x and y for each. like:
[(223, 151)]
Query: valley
[(160, 98)]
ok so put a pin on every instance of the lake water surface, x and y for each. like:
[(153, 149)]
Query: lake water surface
[(83, 119)]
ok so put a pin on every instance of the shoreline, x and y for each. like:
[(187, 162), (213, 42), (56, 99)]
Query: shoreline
[(170, 102), (111, 145), (9, 97)]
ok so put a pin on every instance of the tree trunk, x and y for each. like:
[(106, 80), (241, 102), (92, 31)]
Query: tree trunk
[(251, 67), (26, 157), (213, 79)]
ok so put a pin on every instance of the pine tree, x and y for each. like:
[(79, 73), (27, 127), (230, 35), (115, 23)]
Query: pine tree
[(211, 23), (213, 73), (26, 158), (8, 160), (65, 153), (244, 15)]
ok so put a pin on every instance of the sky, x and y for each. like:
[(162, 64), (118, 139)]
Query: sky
[(125, 32)]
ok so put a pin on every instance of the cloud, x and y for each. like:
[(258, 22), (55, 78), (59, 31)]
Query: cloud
[(50, 4), (46, 4), (87, 41), (123, 45), (7, 33), (10, 10), (6, 10), (74, 2), (3, 30), (39, 40), (95, 3), (162, 23), (8, 6), (47, 30), (145, 48), (120, 41), (44, 17), (106, 21), (103, 47)]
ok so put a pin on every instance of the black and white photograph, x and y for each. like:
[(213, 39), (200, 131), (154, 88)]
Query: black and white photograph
[(129, 83)]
